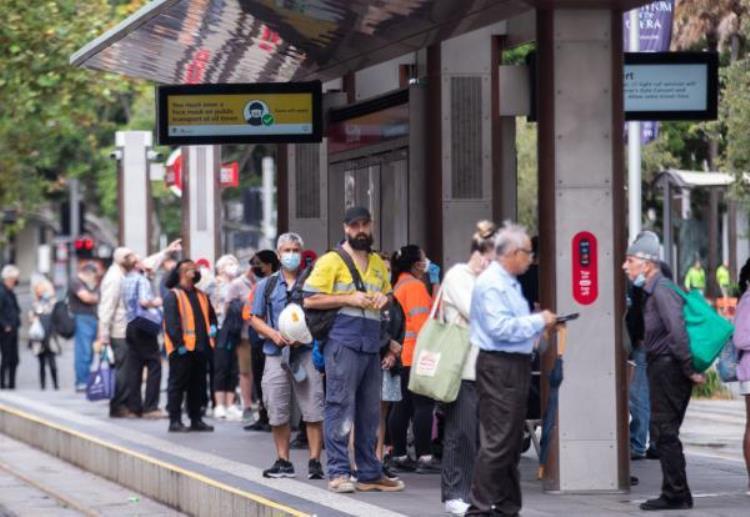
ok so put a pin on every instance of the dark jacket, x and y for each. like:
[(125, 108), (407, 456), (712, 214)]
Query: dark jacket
[(10, 312), (665, 334), (634, 314), (173, 322)]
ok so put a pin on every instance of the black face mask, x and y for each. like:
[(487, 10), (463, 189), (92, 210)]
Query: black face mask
[(258, 271), (361, 242)]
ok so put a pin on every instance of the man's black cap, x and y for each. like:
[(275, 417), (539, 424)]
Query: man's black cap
[(356, 213)]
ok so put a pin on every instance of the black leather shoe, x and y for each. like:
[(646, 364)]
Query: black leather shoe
[(201, 426), (177, 427), (661, 503), (651, 453), (259, 425), (634, 481)]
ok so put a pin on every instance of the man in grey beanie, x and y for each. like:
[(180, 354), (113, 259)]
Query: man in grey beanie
[(670, 368)]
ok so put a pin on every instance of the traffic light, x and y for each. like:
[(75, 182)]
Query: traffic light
[(84, 247)]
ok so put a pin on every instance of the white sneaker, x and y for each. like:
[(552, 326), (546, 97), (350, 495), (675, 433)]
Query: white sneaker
[(220, 412), (234, 414), (456, 507)]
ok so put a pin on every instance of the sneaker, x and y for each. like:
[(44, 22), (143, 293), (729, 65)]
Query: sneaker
[(634, 456), (662, 503), (280, 469), (259, 425), (428, 465), (299, 442), (219, 412), (80, 388), (389, 474), (248, 417), (341, 485), (381, 485), (234, 414), (403, 464), (456, 507), (315, 470)]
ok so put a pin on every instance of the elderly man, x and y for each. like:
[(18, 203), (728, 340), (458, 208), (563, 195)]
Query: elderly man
[(113, 319), (506, 333), (10, 320), (670, 369)]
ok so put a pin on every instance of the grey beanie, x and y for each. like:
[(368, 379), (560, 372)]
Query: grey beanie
[(646, 246)]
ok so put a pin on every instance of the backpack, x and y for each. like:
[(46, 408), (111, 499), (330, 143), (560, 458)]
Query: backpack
[(707, 331), (320, 321), (62, 322), (230, 332)]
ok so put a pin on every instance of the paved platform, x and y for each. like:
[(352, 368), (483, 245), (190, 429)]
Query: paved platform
[(223, 470)]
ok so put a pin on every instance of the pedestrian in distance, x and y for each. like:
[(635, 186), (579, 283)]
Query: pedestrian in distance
[(263, 264), (83, 296), (240, 289), (408, 267), (724, 279), (742, 343), (506, 333), (669, 366), (143, 314), (189, 333), (41, 341), (695, 279), (226, 374), (461, 442), (289, 369), (10, 321), (353, 281)]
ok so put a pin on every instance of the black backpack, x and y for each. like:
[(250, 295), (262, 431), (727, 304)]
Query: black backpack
[(62, 322)]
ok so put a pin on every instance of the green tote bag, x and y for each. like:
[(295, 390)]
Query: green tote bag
[(707, 331), (439, 356)]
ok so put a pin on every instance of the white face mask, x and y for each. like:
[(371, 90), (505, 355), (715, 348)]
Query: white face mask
[(232, 270)]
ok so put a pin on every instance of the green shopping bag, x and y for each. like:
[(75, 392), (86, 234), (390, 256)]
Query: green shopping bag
[(439, 356), (707, 331)]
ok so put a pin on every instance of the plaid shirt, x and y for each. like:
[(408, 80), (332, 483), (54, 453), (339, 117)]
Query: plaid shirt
[(135, 288)]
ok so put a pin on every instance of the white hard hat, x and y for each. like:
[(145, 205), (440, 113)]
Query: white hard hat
[(293, 326)]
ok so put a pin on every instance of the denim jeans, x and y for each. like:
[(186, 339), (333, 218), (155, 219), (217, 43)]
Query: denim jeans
[(640, 406), (84, 342)]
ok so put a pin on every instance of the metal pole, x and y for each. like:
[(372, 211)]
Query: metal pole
[(634, 147), (268, 226), (667, 223), (75, 224)]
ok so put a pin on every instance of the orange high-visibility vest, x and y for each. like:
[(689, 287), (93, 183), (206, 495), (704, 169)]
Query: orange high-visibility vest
[(187, 320), (416, 302)]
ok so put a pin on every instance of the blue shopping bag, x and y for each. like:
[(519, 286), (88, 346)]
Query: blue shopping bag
[(101, 382)]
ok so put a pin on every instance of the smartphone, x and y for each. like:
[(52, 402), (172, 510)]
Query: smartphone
[(567, 317)]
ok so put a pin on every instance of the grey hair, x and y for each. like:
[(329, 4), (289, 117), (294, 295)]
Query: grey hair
[(290, 238), (10, 271), (510, 237)]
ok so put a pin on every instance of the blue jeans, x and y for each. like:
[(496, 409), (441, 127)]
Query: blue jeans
[(353, 384), (84, 341), (640, 406)]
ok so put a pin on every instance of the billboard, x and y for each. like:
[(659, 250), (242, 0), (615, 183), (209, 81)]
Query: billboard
[(671, 86), (239, 113)]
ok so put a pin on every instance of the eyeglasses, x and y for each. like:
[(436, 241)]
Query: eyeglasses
[(530, 253)]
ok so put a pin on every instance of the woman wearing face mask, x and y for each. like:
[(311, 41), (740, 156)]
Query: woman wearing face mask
[(408, 267), (40, 331), (226, 370), (461, 442)]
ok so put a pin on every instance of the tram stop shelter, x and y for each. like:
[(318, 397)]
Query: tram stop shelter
[(420, 128), (718, 235)]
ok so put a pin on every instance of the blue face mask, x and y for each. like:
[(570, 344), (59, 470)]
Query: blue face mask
[(640, 280), (291, 260)]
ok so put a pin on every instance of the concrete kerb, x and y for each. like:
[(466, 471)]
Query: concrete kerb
[(169, 484)]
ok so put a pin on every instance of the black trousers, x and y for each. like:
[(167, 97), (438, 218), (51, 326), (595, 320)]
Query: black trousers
[(8, 358), (226, 370), (258, 361), (503, 387), (670, 393), (119, 400), (461, 443), (143, 352), (47, 358), (415, 408), (187, 375)]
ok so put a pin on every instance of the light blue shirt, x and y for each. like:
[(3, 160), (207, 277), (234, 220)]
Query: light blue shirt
[(500, 317)]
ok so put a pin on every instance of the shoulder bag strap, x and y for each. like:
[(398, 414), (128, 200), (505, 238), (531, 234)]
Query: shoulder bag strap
[(273, 281), (358, 283)]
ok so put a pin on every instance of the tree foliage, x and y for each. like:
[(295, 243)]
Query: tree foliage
[(57, 121)]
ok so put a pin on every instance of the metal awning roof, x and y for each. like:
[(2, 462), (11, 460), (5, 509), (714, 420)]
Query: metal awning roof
[(696, 179), (225, 41)]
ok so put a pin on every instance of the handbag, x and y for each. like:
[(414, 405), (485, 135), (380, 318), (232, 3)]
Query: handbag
[(63, 322), (707, 331), (146, 319), (36, 330), (101, 381), (439, 356)]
